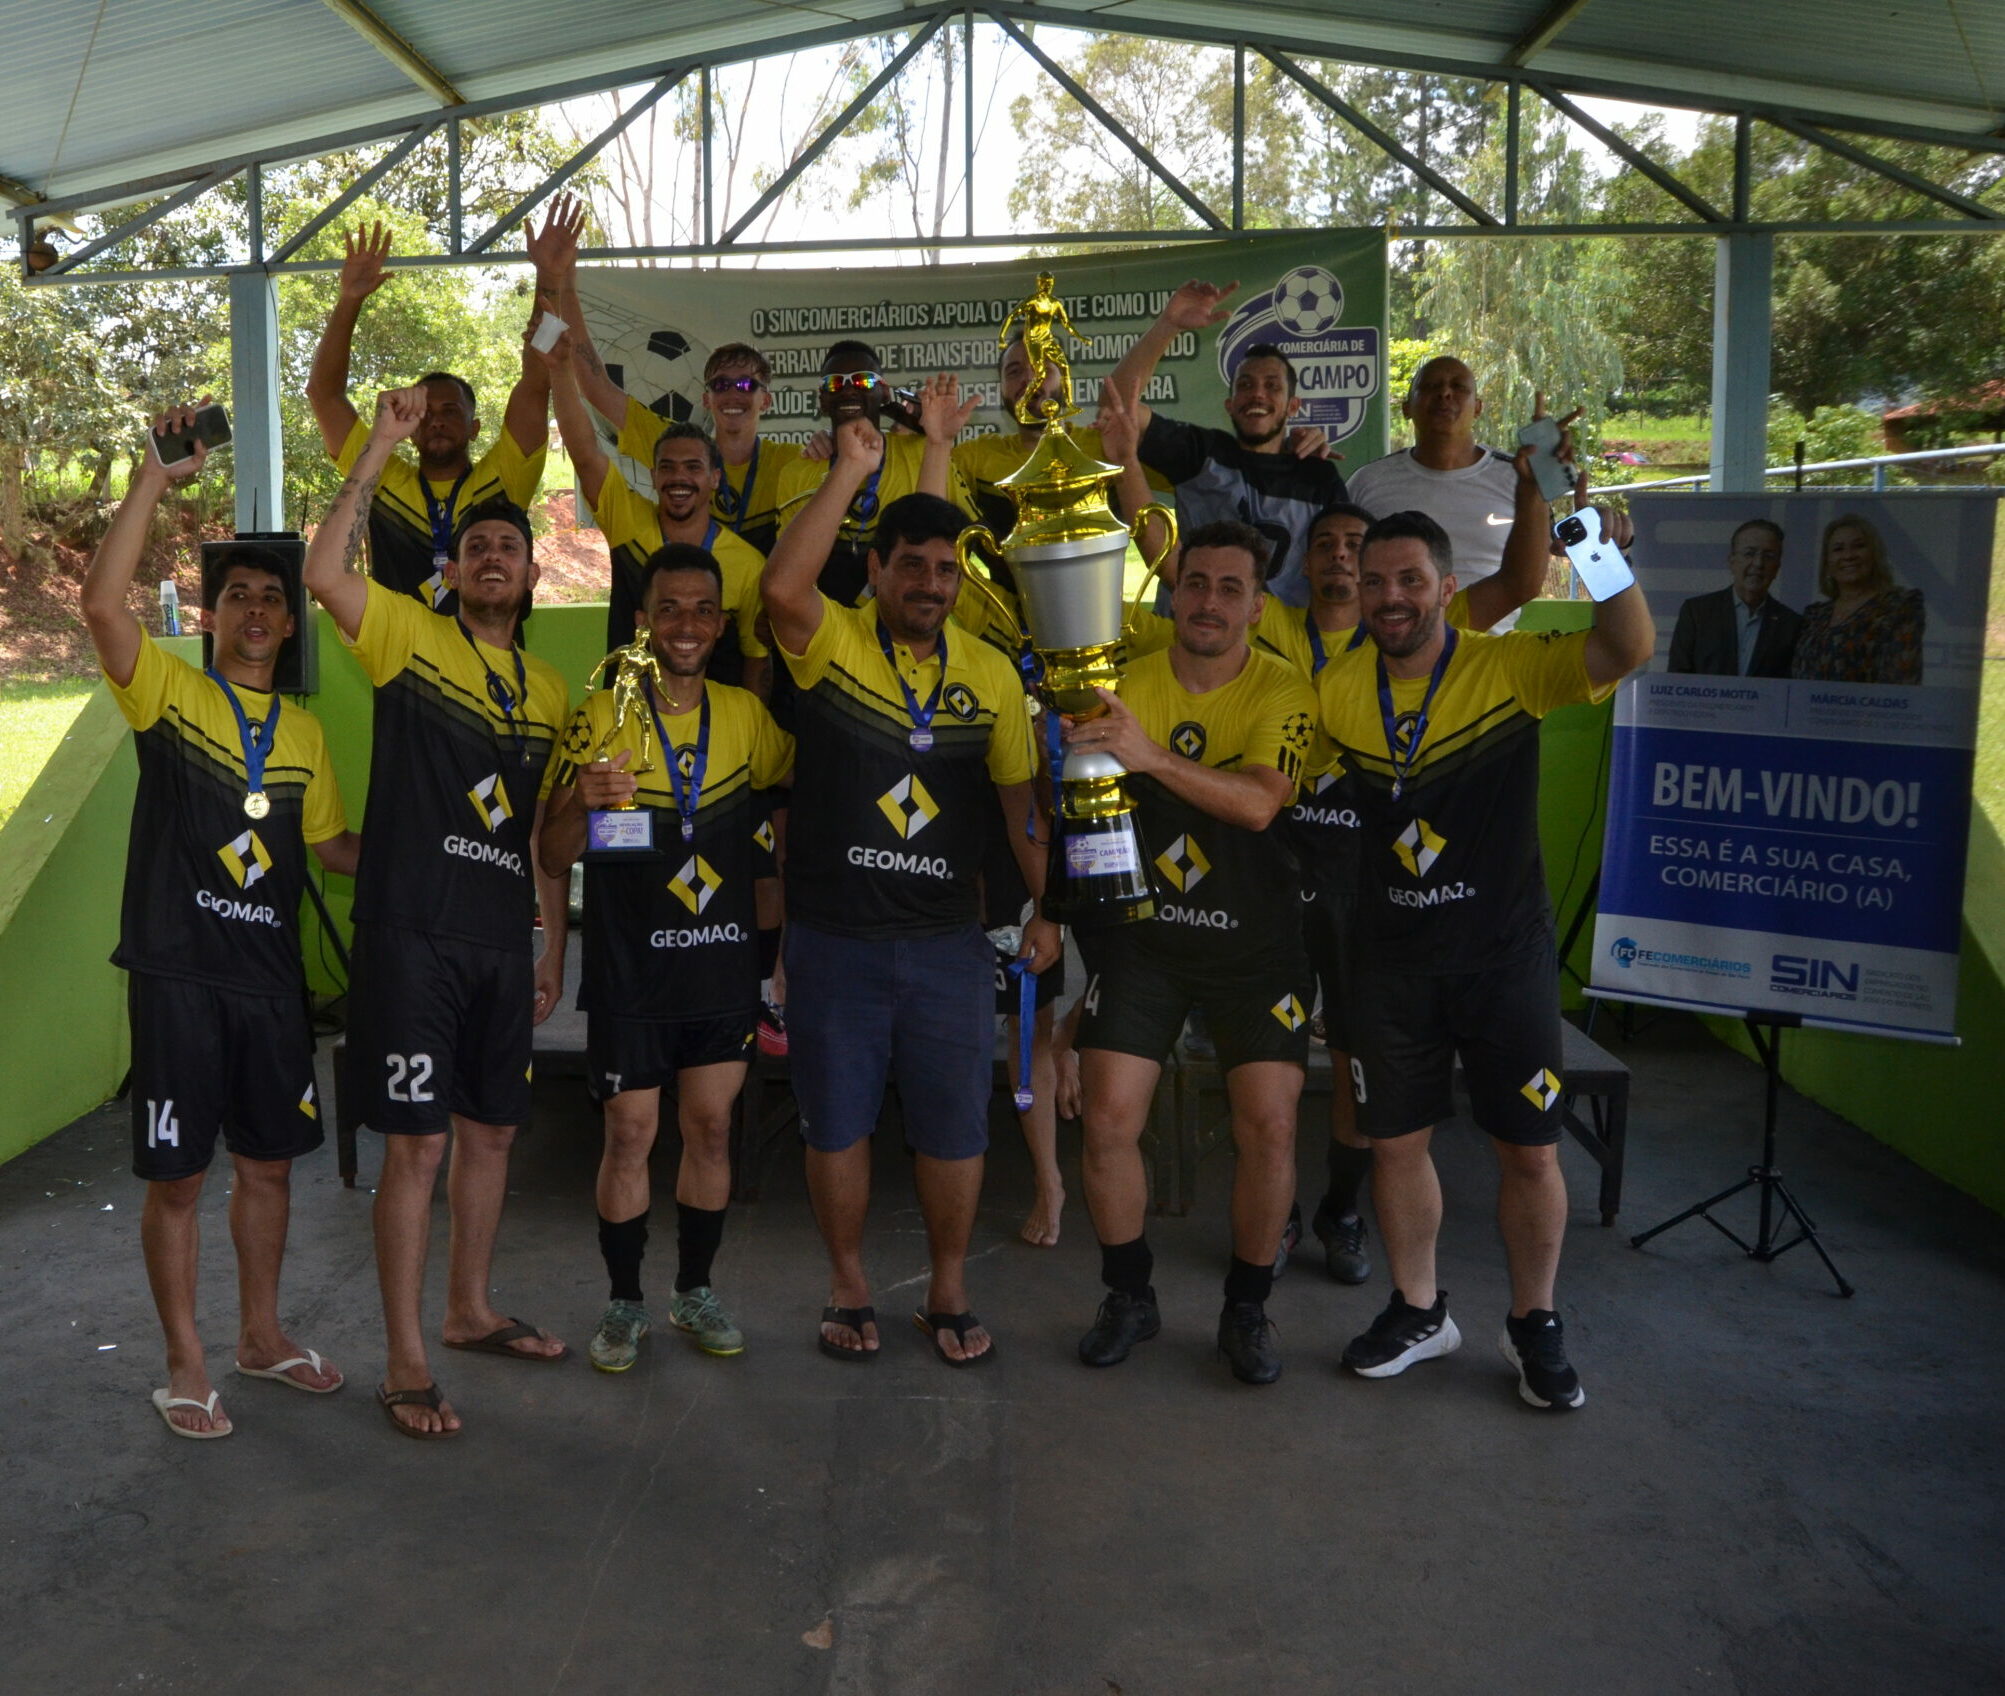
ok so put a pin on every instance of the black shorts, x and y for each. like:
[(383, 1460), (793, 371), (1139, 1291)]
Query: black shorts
[(1408, 1028), (208, 1060), (1327, 932), (1136, 1005), (438, 1027), (629, 1054)]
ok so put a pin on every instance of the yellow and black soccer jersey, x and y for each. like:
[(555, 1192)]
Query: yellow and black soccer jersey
[(747, 502), (453, 779), (1285, 631), (673, 935), (631, 523), (1226, 895), (1450, 874), (845, 576), (211, 894), (407, 532), (884, 839)]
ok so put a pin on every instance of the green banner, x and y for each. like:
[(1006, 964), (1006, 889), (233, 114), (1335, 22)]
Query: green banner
[(1321, 298)]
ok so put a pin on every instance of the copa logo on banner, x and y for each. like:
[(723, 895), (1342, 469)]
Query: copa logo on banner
[(1338, 366)]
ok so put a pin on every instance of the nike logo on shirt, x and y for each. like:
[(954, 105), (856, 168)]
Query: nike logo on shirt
[(1493, 518)]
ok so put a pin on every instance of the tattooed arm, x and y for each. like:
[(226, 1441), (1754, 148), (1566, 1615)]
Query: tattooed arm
[(331, 576)]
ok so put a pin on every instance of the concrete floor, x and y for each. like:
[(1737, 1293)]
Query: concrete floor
[(1769, 1490)]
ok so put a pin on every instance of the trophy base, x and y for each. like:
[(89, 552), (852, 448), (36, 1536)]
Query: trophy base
[(1099, 869), (620, 833)]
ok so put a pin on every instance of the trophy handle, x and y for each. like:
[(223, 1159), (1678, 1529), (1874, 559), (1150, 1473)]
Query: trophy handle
[(1169, 547), (964, 556)]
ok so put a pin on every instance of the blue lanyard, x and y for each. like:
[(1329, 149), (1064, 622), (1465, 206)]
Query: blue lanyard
[(1026, 1024), (686, 800), (258, 739), (710, 538), (442, 516), (734, 504), (498, 691), (1400, 767), (1317, 658), (921, 737)]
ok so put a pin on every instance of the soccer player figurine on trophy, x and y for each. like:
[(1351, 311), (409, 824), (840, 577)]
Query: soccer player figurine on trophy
[(627, 828), (1068, 553)]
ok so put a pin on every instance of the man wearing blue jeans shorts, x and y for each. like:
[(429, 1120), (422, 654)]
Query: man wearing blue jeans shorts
[(907, 730)]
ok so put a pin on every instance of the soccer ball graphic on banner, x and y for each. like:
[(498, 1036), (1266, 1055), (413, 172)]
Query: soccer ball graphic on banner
[(1308, 301)]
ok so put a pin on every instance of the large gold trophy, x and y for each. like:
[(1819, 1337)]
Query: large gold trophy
[(1068, 554)]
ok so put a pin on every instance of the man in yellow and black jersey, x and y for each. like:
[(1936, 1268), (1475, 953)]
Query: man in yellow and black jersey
[(686, 469), (1438, 729), (909, 732), (1215, 736), (671, 980), (445, 989), (234, 787), (419, 504)]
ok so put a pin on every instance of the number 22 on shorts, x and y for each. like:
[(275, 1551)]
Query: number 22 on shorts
[(410, 1076)]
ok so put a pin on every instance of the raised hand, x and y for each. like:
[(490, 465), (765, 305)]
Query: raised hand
[(859, 448), (176, 418), (1198, 305), (554, 248), (1120, 435), (1310, 441), (398, 412), (365, 248), (943, 415)]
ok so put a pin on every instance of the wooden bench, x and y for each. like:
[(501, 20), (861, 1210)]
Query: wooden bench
[(1590, 1073)]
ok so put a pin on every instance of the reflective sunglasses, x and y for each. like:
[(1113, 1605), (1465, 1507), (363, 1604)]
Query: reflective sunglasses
[(734, 385), (837, 381)]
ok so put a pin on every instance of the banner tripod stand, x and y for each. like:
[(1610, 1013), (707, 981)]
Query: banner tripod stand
[(1778, 1207)]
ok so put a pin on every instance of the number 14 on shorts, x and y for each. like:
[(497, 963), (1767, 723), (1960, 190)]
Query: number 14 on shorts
[(161, 1125)]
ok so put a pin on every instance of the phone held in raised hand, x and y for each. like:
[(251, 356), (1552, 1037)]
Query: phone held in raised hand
[(1603, 571), (210, 427), (1542, 436)]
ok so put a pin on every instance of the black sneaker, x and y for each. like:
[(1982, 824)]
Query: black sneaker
[(1536, 1346), (1344, 1246), (1247, 1339), (1401, 1335), (1122, 1322), (1291, 1234)]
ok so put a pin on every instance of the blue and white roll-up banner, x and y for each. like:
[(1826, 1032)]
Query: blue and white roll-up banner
[(1789, 793)]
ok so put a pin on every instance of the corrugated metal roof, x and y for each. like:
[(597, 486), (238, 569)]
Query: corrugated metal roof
[(95, 95)]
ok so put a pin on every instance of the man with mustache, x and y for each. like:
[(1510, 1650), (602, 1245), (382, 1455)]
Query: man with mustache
[(445, 991), (419, 506), (910, 734), (234, 787), (1438, 731), (1259, 473)]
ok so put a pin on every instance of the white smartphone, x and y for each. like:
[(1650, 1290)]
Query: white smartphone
[(1603, 571), (1542, 435)]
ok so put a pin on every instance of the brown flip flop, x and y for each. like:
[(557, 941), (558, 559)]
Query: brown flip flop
[(390, 1400), (496, 1342)]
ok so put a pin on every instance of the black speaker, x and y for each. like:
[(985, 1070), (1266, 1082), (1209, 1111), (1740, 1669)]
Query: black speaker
[(298, 668)]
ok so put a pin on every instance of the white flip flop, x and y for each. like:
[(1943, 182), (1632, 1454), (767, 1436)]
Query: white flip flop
[(282, 1372), (165, 1402)]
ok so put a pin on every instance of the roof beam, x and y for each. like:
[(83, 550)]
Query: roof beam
[(352, 193), (1546, 31), (133, 225), (20, 193), (397, 50), (1888, 169), (1633, 154)]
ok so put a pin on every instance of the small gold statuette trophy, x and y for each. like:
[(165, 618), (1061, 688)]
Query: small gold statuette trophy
[(1068, 553), (628, 829)]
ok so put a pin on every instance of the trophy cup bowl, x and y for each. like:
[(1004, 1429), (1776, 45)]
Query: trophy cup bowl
[(1068, 554)]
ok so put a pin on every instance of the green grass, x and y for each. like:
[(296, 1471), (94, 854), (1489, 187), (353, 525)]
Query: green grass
[(34, 718)]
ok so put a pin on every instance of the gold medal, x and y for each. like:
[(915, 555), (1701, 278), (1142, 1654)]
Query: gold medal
[(257, 804)]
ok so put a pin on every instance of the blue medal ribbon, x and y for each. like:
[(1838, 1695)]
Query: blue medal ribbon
[(734, 504), (257, 739), (498, 691), (1026, 1024), (1400, 767), (442, 516), (863, 505), (686, 800), (1317, 657), (922, 717)]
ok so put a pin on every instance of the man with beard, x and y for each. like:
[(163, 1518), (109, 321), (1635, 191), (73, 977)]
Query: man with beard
[(1214, 736), (671, 982), (1438, 730), (910, 731), (1249, 476), (233, 789), (1741, 630), (444, 990), (418, 507), (687, 471)]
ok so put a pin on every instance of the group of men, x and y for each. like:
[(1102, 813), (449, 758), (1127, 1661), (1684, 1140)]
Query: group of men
[(1335, 767)]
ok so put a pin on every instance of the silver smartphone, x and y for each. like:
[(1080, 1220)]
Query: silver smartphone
[(1603, 571), (1542, 436)]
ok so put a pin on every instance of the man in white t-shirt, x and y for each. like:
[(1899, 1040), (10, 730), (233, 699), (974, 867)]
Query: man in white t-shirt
[(1466, 488)]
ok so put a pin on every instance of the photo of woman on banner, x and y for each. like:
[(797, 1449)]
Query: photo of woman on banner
[(1867, 629)]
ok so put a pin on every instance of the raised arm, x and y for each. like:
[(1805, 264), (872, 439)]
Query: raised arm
[(790, 584), (555, 250), (1249, 797), (331, 577), (943, 415), (1623, 637), (574, 422), (362, 274), (1121, 441), (1195, 306), (115, 632), (1522, 573)]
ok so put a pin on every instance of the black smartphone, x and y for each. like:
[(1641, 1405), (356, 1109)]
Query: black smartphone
[(211, 428)]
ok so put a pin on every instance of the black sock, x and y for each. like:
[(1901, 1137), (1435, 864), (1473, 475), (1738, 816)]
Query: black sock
[(1247, 1282), (698, 1231), (1127, 1267), (624, 1245), (1349, 1167)]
